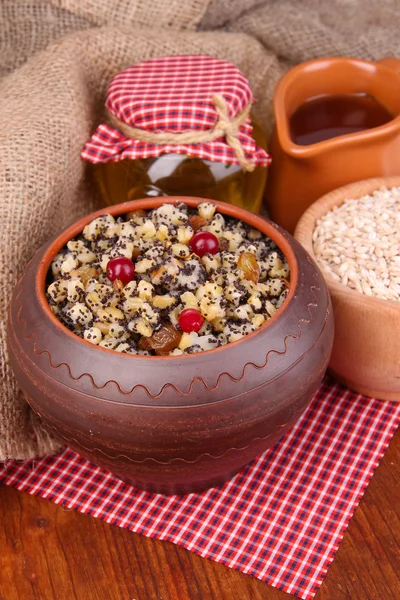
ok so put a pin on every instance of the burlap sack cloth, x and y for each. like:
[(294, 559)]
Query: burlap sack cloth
[(52, 93)]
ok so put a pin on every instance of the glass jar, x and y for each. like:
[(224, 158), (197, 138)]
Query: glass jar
[(180, 126), (182, 175)]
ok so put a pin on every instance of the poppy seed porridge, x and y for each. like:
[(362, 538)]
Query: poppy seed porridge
[(168, 281)]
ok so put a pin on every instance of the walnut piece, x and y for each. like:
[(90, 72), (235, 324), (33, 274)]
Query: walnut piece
[(196, 222)]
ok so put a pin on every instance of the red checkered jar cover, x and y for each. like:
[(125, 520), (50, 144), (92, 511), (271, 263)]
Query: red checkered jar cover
[(195, 105)]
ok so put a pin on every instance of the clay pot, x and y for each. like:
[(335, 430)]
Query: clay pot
[(366, 348), (299, 175), (173, 424)]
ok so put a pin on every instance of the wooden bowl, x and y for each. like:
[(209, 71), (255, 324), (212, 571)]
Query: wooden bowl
[(173, 424), (366, 348)]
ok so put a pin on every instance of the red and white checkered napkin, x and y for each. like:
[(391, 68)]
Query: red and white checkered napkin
[(281, 519)]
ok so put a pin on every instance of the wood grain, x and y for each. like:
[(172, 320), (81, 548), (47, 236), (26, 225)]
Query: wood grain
[(49, 553)]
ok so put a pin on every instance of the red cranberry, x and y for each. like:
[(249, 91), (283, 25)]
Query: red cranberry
[(204, 242), (120, 268), (190, 320)]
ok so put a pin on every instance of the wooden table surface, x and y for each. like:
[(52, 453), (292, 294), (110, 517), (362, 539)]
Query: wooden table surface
[(49, 553)]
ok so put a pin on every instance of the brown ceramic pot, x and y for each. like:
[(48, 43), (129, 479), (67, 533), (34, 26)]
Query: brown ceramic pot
[(299, 175), (173, 424)]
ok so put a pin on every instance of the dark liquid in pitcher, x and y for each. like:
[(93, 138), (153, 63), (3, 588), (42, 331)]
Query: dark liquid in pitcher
[(331, 116)]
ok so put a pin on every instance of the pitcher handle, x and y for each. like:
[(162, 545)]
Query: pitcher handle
[(392, 62)]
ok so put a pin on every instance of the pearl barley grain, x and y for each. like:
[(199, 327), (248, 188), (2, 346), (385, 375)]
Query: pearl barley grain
[(358, 243)]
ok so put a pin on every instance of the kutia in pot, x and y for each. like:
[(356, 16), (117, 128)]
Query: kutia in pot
[(173, 424)]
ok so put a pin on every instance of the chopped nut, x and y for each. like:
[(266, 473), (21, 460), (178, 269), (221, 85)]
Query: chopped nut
[(56, 264), (211, 311), (108, 342), (125, 248), (168, 213), (206, 210), (124, 347), (185, 234), (243, 312), (162, 233), (102, 327), (147, 230), (118, 331), (158, 275), (93, 301), (176, 352), (58, 290), (86, 256), (277, 268), (180, 251), (79, 314), (269, 308), (76, 290), (255, 302), (144, 265), (219, 324), (254, 234), (92, 335), (163, 301), (211, 262), (130, 289), (149, 313), (258, 320), (234, 240), (118, 286), (141, 326), (187, 340), (69, 264), (132, 305), (110, 315), (104, 225), (211, 290), (197, 222), (189, 300), (145, 290)]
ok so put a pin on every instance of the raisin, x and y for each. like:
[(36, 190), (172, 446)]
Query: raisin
[(248, 264), (223, 245), (85, 272), (162, 341)]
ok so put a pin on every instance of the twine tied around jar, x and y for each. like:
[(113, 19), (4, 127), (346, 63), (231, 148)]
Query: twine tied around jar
[(225, 127)]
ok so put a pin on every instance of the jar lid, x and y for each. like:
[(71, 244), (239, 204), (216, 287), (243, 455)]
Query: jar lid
[(192, 104)]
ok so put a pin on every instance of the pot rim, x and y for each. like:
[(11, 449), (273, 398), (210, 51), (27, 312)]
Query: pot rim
[(264, 225), (306, 225)]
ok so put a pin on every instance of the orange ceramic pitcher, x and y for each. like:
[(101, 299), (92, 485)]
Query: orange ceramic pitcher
[(299, 175)]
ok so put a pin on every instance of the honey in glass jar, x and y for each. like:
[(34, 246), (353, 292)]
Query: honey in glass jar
[(180, 125)]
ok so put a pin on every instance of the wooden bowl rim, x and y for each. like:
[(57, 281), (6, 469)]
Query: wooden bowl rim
[(264, 225), (320, 207)]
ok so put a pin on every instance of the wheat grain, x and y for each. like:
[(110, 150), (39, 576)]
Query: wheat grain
[(358, 243)]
